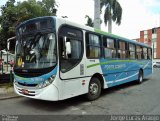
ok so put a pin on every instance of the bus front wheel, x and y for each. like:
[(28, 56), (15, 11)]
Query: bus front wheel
[(94, 89)]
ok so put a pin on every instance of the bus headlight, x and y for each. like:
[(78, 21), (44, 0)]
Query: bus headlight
[(46, 83)]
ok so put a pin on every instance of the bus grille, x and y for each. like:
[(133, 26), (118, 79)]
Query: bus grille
[(30, 93), (28, 85)]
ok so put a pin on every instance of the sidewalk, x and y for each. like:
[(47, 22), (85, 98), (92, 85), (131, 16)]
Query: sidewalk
[(7, 93)]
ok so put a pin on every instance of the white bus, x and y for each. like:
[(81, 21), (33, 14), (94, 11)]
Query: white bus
[(57, 59)]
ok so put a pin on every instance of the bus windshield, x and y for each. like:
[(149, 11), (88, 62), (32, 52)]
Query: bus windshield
[(36, 51)]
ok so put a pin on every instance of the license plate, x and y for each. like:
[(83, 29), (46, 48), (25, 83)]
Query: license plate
[(25, 91)]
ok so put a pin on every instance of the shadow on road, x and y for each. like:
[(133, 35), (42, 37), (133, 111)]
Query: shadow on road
[(122, 86), (54, 105), (75, 101)]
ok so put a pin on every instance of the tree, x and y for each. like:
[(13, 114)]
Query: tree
[(97, 14), (113, 12), (29, 9), (50, 6), (7, 20), (89, 21), (13, 14)]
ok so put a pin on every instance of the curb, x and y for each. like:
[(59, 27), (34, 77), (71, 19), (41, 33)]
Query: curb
[(7, 93), (10, 97), (5, 90)]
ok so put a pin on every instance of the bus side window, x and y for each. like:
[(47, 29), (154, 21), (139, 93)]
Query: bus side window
[(139, 52), (149, 54), (75, 48), (109, 48), (132, 53), (122, 50), (93, 46), (70, 48), (145, 53)]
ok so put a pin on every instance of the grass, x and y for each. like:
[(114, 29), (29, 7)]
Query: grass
[(6, 85)]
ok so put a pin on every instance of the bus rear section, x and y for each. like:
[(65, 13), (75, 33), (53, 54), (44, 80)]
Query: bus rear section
[(114, 60)]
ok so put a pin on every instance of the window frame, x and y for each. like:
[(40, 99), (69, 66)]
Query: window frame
[(105, 38), (141, 53), (132, 51), (64, 34), (92, 45), (122, 50), (149, 57)]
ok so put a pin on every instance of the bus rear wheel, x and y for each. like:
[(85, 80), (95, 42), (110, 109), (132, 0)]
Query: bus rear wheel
[(94, 89), (155, 66), (140, 77)]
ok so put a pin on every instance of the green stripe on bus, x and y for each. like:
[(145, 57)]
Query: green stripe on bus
[(106, 33), (22, 78), (103, 63)]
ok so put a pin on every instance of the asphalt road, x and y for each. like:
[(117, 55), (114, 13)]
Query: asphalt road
[(129, 98)]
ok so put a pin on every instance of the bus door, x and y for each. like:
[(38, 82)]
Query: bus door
[(70, 61)]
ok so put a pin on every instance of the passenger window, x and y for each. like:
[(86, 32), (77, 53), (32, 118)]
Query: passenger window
[(109, 48), (122, 50), (145, 53), (139, 52), (132, 51), (93, 46), (149, 53)]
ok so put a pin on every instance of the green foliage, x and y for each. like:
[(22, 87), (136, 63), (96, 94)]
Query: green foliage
[(113, 11), (12, 14), (49, 7), (89, 21)]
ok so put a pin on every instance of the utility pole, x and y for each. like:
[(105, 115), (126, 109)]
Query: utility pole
[(152, 55), (97, 14)]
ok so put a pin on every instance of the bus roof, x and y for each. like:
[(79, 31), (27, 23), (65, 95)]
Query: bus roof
[(102, 32), (88, 28), (119, 37)]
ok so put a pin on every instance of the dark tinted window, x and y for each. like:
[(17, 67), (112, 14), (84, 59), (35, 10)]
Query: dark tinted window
[(109, 48), (122, 50), (132, 49), (139, 51), (93, 46)]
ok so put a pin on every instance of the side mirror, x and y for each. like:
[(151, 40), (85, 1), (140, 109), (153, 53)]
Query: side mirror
[(68, 48), (8, 42)]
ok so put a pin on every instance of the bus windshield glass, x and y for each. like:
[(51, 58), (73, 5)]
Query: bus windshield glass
[(35, 51)]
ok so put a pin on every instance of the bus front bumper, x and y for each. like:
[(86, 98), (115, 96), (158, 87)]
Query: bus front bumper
[(49, 93)]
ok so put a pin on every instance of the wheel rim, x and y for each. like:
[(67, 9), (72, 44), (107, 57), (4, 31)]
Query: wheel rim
[(93, 88), (140, 78)]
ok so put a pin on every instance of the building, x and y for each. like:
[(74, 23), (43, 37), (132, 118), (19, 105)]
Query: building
[(4, 54), (6, 59), (152, 38)]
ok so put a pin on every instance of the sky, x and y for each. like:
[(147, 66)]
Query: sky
[(137, 15)]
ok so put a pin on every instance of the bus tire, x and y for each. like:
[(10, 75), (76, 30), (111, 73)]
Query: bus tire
[(140, 77), (155, 66), (94, 89)]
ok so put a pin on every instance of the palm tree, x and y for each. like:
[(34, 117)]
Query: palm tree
[(89, 21), (97, 14), (113, 12)]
